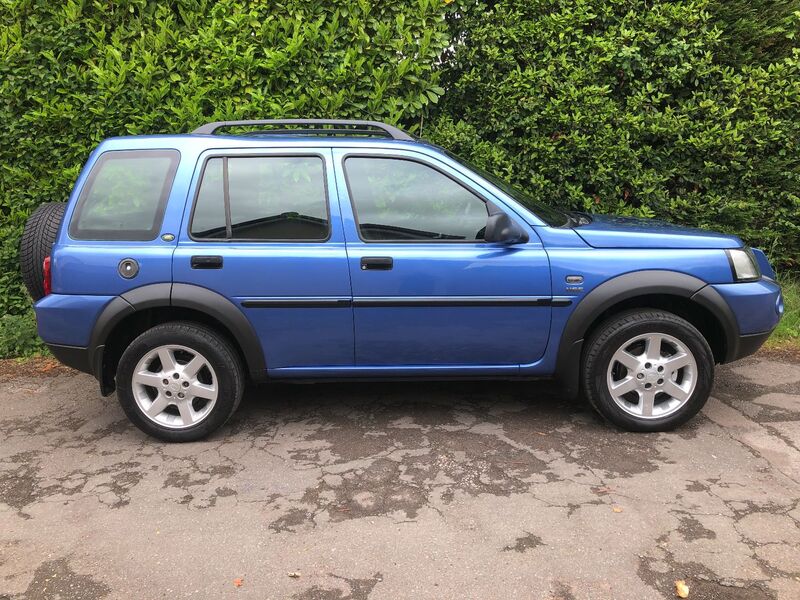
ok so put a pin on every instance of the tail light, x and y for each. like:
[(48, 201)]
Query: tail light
[(46, 272)]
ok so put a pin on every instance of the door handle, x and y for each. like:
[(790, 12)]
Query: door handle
[(376, 263), (206, 262)]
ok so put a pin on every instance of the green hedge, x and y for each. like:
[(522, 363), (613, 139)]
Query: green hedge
[(688, 110), (74, 72), (637, 107)]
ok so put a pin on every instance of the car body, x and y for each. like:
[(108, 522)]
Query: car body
[(353, 300)]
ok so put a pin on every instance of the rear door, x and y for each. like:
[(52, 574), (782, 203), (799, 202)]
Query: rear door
[(261, 230), (428, 291)]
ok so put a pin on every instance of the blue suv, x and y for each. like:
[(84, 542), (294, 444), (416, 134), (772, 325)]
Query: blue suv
[(184, 266)]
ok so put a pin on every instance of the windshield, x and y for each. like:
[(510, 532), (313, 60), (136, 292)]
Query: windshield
[(552, 216)]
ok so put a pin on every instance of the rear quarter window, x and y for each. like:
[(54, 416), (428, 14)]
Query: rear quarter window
[(125, 195)]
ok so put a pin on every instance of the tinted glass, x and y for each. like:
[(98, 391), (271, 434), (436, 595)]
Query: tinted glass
[(125, 195), (272, 198), (549, 214), (208, 220), (402, 200)]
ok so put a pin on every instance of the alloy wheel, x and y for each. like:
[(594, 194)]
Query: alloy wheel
[(175, 386), (652, 375)]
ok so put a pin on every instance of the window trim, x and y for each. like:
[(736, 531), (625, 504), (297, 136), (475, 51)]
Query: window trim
[(125, 235), (226, 198), (480, 196)]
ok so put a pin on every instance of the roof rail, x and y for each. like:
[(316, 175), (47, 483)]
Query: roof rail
[(342, 125)]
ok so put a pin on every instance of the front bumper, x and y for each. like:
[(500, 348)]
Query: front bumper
[(757, 307), (749, 344)]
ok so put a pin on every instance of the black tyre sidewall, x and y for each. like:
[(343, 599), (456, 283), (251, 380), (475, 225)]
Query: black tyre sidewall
[(598, 358), (213, 347), (36, 243)]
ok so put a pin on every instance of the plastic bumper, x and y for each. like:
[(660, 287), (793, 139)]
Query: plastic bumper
[(65, 323), (73, 356), (757, 307)]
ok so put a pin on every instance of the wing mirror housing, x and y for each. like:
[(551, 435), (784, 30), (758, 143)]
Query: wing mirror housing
[(501, 229)]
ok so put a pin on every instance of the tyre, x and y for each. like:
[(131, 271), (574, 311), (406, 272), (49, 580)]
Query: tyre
[(37, 241), (179, 381), (647, 370)]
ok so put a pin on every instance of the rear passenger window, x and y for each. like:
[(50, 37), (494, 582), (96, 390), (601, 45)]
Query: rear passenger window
[(125, 195), (262, 198)]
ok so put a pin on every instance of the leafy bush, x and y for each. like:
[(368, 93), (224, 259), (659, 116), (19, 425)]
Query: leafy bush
[(788, 331), (18, 336), (755, 31), (635, 107), (77, 71)]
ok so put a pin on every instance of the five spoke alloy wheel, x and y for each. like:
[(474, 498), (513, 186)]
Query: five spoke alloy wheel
[(647, 369), (179, 381), (175, 386), (652, 375)]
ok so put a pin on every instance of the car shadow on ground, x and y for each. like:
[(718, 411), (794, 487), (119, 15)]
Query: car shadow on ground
[(431, 402)]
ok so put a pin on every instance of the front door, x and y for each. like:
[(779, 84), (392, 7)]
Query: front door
[(428, 291), (264, 230)]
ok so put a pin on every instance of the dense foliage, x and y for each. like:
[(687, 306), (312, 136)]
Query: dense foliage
[(77, 71), (683, 109), (636, 107)]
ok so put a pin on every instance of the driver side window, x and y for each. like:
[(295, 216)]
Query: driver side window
[(396, 199)]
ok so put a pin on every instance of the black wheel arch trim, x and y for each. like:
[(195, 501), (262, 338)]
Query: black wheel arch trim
[(215, 305), (631, 285), (180, 295)]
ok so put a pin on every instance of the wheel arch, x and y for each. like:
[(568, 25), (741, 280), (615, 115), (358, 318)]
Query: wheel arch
[(679, 293), (127, 316)]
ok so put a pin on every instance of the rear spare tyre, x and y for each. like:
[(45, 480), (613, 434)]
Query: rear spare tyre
[(37, 242)]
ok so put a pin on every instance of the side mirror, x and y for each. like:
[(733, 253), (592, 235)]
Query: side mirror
[(502, 230)]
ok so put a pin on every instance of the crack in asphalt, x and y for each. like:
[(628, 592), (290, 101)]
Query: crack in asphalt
[(386, 489)]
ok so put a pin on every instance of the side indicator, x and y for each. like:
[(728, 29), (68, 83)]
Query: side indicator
[(574, 279)]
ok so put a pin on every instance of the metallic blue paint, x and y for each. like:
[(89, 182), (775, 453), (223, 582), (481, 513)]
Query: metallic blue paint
[(763, 263), (68, 318), (313, 307), (750, 302), (606, 231)]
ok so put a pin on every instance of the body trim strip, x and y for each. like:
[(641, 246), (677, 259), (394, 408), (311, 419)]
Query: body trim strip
[(297, 303), (405, 301)]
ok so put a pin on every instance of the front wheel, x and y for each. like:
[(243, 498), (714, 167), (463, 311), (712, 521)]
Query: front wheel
[(179, 381), (647, 370)]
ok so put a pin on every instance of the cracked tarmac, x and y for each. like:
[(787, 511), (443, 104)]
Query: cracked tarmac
[(412, 490)]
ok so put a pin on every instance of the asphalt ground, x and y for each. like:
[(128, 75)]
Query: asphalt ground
[(390, 491)]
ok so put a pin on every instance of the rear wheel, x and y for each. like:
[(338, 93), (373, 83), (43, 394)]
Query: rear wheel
[(179, 381), (647, 370)]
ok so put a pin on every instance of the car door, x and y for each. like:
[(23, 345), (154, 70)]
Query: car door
[(261, 230), (428, 291)]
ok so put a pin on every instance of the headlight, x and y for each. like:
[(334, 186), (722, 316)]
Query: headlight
[(743, 264)]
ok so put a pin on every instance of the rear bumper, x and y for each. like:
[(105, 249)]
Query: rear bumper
[(85, 360), (72, 356), (65, 323)]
